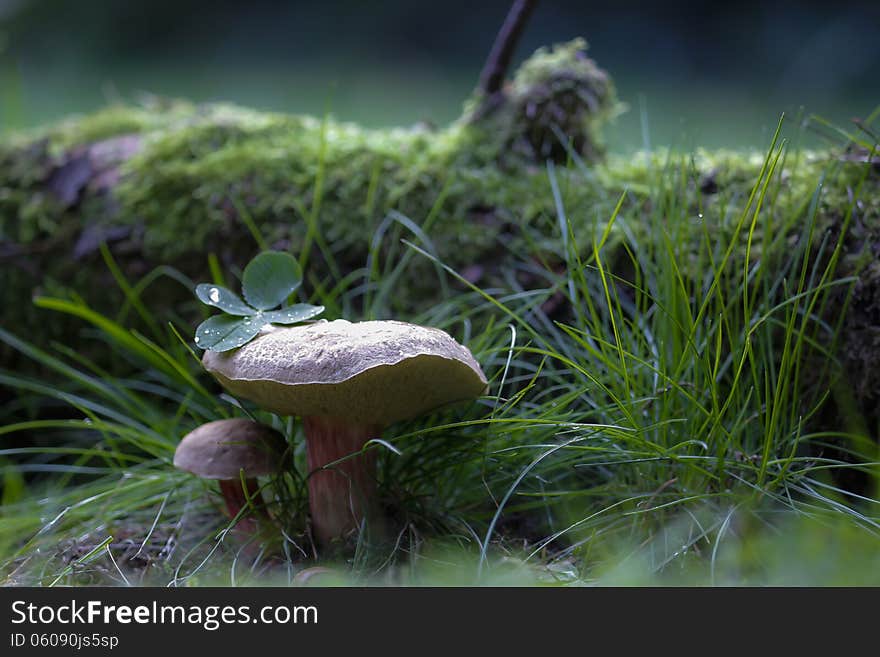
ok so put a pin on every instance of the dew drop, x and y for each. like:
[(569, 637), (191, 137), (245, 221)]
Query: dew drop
[(214, 294), (197, 338)]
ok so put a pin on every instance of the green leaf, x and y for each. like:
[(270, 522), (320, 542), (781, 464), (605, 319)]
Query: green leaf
[(270, 278), (225, 332), (292, 314), (226, 300)]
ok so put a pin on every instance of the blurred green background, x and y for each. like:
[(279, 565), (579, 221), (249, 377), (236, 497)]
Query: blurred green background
[(713, 74)]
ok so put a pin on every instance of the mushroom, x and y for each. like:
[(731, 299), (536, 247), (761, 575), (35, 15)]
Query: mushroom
[(226, 449), (348, 382)]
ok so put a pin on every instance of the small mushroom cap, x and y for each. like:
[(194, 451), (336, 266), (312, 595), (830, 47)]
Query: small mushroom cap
[(218, 450), (374, 372)]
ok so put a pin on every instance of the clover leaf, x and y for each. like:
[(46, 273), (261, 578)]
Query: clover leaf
[(226, 300), (225, 332), (267, 281), (270, 278)]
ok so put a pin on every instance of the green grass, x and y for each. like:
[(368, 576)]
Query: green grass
[(652, 418)]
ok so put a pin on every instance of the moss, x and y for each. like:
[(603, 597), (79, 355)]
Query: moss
[(110, 122), (557, 102), (201, 165)]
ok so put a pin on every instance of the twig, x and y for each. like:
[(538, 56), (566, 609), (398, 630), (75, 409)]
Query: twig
[(496, 66)]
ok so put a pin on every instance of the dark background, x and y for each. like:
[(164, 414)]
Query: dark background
[(714, 74)]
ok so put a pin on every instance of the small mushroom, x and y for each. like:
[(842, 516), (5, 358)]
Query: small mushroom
[(348, 382), (223, 450)]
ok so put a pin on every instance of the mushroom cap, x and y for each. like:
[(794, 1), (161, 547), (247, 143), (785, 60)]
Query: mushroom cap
[(374, 372), (218, 450)]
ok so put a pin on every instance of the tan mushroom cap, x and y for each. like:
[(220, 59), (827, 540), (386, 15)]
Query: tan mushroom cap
[(217, 450), (374, 372)]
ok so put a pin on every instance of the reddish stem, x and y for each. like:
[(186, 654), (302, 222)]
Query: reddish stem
[(341, 495), (236, 500)]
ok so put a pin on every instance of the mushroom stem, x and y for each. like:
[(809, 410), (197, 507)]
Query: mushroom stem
[(341, 495), (236, 500)]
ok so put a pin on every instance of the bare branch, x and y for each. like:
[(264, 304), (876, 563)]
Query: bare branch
[(498, 62)]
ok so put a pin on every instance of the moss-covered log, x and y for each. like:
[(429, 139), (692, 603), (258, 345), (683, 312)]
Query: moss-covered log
[(170, 182)]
